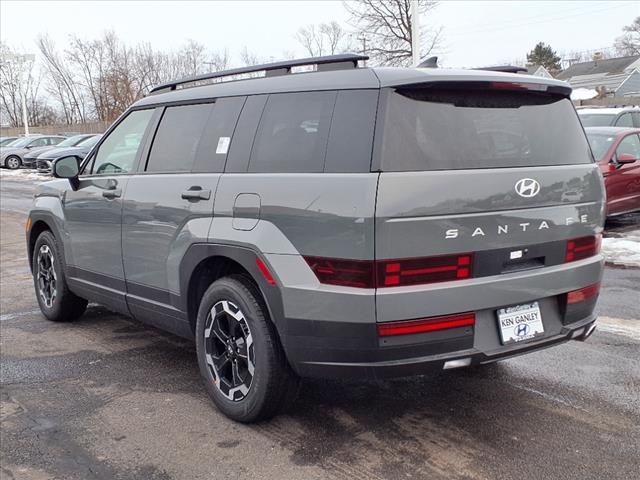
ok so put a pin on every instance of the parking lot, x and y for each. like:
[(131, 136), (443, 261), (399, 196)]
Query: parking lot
[(107, 397)]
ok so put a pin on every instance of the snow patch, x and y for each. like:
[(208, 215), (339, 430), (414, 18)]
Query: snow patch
[(22, 174), (623, 250)]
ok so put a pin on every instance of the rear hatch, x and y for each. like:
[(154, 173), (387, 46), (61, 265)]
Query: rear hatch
[(493, 179)]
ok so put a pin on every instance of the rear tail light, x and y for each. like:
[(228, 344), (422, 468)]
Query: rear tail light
[(417, 271), (583, 247), (391, 273), (577, 296), (426, 324), (348, 273)]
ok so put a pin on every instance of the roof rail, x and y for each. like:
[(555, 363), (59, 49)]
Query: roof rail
[(503, 68), (330, 62)]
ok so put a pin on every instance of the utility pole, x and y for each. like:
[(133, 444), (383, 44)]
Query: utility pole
[(21, 60), (363, 39), (415, 33)]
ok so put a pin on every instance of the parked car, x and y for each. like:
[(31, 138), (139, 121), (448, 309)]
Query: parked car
[(5, 141), (31, 158), (610, 117), (617, 151), (13, 155), (80, 150), (336, 223)]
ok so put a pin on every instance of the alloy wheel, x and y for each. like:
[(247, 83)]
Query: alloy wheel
[(229, 350), (46, 274), (13, 163)]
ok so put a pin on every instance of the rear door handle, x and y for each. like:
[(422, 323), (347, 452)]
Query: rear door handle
[(196, 193), (111, 194)]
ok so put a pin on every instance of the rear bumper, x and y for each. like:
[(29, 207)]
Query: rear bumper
[(312, 359)]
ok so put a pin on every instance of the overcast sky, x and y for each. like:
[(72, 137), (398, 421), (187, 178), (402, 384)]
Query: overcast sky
[(474, 33)]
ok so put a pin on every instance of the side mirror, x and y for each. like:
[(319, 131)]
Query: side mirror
[(623, 158), (67, 167)]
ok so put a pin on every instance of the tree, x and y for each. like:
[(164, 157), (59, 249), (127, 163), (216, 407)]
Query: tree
[(629, 43), (384, 26), (544, 55), (323, 39)]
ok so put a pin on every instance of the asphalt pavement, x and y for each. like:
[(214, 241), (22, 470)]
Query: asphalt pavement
[(109, 398)]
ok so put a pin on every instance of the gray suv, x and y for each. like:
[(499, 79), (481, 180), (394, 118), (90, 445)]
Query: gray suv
[(346, 222)]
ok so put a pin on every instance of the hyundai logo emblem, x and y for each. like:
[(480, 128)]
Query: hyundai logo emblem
[(527, 187), (522, 329)]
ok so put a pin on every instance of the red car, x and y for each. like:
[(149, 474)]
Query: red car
[(617, 151)]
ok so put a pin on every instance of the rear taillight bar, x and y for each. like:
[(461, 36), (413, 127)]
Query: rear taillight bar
[(419, 271), (391, 273), (583, 247), (426, 324), (582, 294)]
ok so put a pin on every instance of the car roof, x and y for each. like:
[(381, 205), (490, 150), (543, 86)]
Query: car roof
[(611, 130), (605, 110), (354, 78)]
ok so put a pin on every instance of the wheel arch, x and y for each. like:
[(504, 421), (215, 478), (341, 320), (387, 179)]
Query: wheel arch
[(39, 224), (205, 263)]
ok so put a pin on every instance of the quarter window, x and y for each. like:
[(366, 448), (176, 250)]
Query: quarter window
[(177, 138), (117, 154), (293, 131)]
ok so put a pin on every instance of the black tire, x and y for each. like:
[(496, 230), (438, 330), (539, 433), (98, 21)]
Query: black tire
[(273, 385), (13, 162), (65, 306)]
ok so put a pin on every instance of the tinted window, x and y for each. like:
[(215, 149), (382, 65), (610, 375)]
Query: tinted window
[(177, 138), (462, 129), (218, 132), (624, 120), (351, 136), (629, 145), (293, 131), (117, 154), (240, 150), (597, 119)]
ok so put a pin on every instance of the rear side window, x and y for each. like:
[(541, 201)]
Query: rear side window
[(292, 134), (177, 138), (449, 129), (351, 135), (218, 132)]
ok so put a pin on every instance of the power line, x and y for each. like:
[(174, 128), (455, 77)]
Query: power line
[(528, 23)]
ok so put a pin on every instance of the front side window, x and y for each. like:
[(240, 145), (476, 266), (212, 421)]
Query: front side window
[(177, 138), (54, 140), (39, 142), (629, 145), (624, 120), (292, 135), (117, 154)]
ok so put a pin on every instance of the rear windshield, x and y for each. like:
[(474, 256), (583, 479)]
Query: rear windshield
[(429, 129), (597, 119)]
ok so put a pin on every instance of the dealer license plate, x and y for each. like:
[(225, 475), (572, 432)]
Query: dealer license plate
[(520, 323)]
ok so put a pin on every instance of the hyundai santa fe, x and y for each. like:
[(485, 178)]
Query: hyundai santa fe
[(347, 222)]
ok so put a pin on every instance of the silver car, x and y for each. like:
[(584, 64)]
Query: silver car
[(12, 156)]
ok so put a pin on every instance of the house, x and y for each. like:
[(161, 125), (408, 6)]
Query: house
[(538, 71), (612, 77)]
